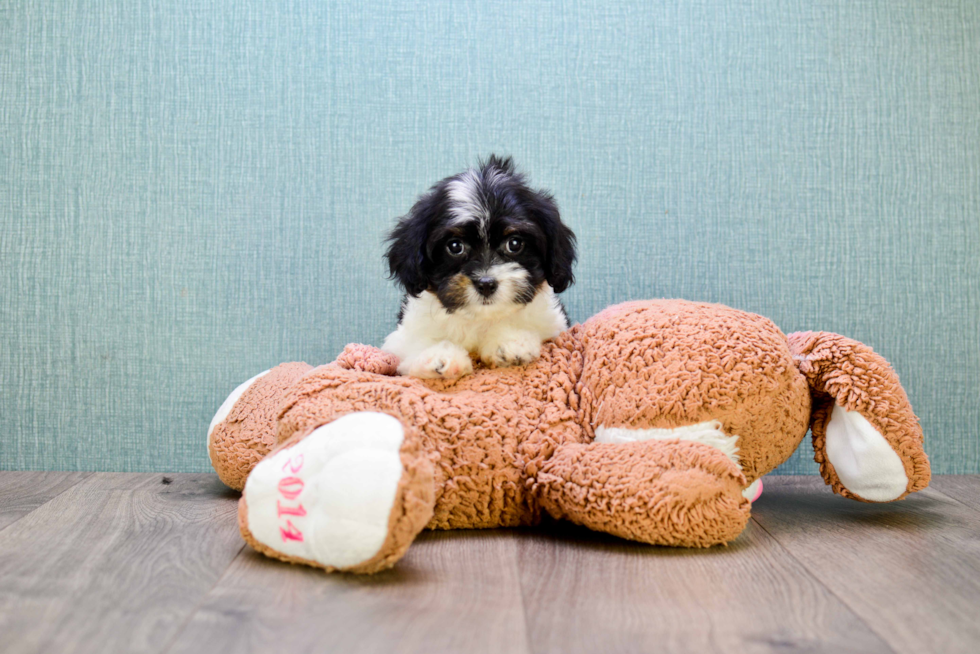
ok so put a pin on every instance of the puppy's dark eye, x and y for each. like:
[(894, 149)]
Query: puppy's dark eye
[(515, 244), (455, 247)]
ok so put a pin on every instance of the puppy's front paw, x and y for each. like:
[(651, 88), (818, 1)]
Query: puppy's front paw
[(518, 350), (443, 360)]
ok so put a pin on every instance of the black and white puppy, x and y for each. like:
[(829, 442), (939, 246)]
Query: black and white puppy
[(481, 257)]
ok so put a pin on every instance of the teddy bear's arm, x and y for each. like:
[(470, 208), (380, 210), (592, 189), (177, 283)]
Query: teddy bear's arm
[(866, 438), (672, 492)]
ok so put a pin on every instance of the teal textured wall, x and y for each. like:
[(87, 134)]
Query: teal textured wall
[(191, 192)]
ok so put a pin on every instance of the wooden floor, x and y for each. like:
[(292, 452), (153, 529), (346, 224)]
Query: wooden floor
[(147, 563)]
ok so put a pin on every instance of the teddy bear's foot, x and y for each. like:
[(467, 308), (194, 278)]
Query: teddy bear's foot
[(351, 495)]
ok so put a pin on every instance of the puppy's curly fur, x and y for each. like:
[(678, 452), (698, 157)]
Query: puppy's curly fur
[(482, 257)]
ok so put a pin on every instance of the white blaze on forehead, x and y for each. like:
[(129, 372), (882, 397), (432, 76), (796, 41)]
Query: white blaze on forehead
[(494, 177), (466, 204)]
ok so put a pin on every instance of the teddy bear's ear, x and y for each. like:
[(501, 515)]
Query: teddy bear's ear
[(866, 438), (863, 460)]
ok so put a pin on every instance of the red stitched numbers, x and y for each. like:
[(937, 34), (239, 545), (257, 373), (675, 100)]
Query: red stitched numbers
[(290, 488), (293, 463), (290, 510)]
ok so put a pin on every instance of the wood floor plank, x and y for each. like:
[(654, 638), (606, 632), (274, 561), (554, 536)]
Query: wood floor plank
[(588, 592), (22, 492), (909, 569), (453, 592), (116, 563), (965, 488)]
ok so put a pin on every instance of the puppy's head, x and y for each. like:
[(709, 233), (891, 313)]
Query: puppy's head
[(482, 240)]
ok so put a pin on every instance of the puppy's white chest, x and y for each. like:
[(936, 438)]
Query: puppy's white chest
[(431, 342)]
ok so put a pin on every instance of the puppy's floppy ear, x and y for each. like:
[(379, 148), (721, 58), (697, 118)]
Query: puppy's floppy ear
[(406, 252), (560, 248)]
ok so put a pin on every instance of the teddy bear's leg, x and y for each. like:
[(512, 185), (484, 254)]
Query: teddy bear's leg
[(664, 492), (866, 438), (350, 495), (243, 430)]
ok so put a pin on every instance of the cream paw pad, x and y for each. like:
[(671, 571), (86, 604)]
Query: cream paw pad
[(331, 499)]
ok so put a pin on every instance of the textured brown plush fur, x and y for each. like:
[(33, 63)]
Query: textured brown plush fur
[(249, 432), (498, 447)]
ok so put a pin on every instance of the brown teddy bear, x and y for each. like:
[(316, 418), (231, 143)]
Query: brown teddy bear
[(652, 421)]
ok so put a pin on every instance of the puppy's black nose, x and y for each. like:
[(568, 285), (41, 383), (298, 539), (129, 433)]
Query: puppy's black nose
[(485, 286)]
